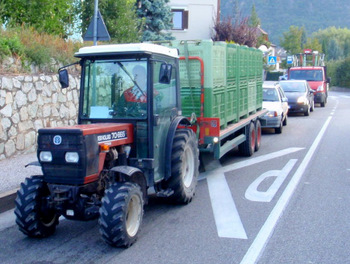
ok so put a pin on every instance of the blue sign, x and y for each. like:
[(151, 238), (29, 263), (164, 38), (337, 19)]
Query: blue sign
[(272, 60), (289, 59)]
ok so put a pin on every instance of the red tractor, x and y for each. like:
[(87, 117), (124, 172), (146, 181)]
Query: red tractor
[(131, 141)]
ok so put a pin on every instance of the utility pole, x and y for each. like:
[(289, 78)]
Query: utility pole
[(95, 23)]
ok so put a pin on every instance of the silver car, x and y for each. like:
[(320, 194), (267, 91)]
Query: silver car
[(275, 101)]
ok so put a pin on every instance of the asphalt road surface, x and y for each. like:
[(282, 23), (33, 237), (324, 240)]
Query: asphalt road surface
[(288, 203)]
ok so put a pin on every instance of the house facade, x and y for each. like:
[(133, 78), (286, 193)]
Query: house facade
[(194, 19)]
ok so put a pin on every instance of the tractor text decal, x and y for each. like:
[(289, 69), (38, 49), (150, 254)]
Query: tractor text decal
[(112, 136)]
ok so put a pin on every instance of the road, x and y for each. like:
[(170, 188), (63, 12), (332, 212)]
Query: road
[(288, 203)]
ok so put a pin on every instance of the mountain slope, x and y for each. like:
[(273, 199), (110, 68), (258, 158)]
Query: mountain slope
[(278, 15)]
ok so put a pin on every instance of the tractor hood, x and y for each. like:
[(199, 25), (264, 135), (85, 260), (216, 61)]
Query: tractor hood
[(74, 155)]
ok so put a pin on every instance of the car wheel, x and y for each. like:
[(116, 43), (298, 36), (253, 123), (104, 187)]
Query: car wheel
[(307, 112), (285, 120), (278, 130)]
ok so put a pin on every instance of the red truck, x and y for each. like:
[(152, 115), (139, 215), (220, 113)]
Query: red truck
[(310, 67)]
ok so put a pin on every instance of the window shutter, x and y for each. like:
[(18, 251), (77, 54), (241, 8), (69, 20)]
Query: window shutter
[(185, 19)]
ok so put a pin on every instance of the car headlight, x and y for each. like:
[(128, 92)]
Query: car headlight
[(320, 88), (302, 100), (72, 157), (272, 114), (45, 156)]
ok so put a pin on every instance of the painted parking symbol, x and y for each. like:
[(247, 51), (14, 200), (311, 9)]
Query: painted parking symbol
[(253, 194)]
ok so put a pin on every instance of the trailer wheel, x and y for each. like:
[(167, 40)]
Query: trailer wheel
[(121, 214), (247, 147), (258, 135), (184, 166), (34, 216)]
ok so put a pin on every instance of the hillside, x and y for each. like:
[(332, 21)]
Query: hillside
[(278, 15)]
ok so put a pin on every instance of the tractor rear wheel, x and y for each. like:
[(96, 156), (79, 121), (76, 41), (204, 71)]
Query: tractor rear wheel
[(34, 216), (121, 214), (184, 166)]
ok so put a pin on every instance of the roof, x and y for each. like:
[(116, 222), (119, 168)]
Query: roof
[(127, 48), (307, 68)]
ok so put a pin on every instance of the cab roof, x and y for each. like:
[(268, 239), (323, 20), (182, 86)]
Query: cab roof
[(126, 49)]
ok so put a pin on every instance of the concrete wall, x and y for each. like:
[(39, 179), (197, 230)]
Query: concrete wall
[(28, 103)]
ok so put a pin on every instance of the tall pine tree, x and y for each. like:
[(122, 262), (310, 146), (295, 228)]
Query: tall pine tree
[(157, 19)]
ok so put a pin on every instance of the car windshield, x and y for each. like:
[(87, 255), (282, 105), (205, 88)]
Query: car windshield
[(270, 95), (308, 75), (293, 86)]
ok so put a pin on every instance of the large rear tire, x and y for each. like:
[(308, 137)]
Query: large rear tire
[(121, 214), (34, 216), (184, 166), (247, 147)]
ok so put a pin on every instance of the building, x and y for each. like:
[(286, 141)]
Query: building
[(194, 19)]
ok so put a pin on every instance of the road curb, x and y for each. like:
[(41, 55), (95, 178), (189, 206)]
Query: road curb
[(7, 200)]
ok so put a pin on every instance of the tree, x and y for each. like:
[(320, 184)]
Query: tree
[(119, 16), (49, 16), (157, 18), (314, 44), (334, 52), (254, 20), (291, 40)]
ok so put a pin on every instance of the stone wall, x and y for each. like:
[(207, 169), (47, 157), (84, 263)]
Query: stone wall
[(28, 103)]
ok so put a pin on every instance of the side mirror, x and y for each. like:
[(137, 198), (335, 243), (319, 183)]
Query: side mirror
[(165, 73), (63, 78), (329, 79)]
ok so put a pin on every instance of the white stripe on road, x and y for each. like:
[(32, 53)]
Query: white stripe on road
[(259, 243), (249, 162), (227, 220)]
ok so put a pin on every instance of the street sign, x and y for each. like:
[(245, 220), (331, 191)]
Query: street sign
[(289, 59), (272, 60), (102, 32)]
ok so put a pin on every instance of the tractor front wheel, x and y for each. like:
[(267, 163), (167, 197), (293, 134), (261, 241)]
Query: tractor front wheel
[(34, 216), (121, 214)]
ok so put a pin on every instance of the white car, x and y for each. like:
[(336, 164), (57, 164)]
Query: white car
[(276, 102)]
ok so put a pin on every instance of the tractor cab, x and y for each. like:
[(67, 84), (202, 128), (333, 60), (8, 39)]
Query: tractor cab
[(131, 83)]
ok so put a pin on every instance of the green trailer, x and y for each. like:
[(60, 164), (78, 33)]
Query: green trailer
[(221, 85)]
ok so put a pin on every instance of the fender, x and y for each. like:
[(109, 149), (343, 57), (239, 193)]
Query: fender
[(169, 142), (133, 175)]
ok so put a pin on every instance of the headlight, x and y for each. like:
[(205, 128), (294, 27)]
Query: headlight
[(320, 88), (302, 100), (272, 114), (45, 156), (72, 157)]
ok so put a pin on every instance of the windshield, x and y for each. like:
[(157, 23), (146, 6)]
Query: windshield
[(115, 88), (308, 75), (270, 95), (293, 86)]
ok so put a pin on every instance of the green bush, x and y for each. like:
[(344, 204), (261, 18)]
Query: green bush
[(339, 71), (36, 48)]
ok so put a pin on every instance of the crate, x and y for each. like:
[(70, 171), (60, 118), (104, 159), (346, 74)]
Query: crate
[(214, 57), (232, 79)]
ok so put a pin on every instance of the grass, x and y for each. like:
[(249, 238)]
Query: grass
[(30, 47)]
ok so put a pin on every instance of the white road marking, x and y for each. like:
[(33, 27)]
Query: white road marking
[(227, 219), (252, 192), (259, 243), (249, 162)]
